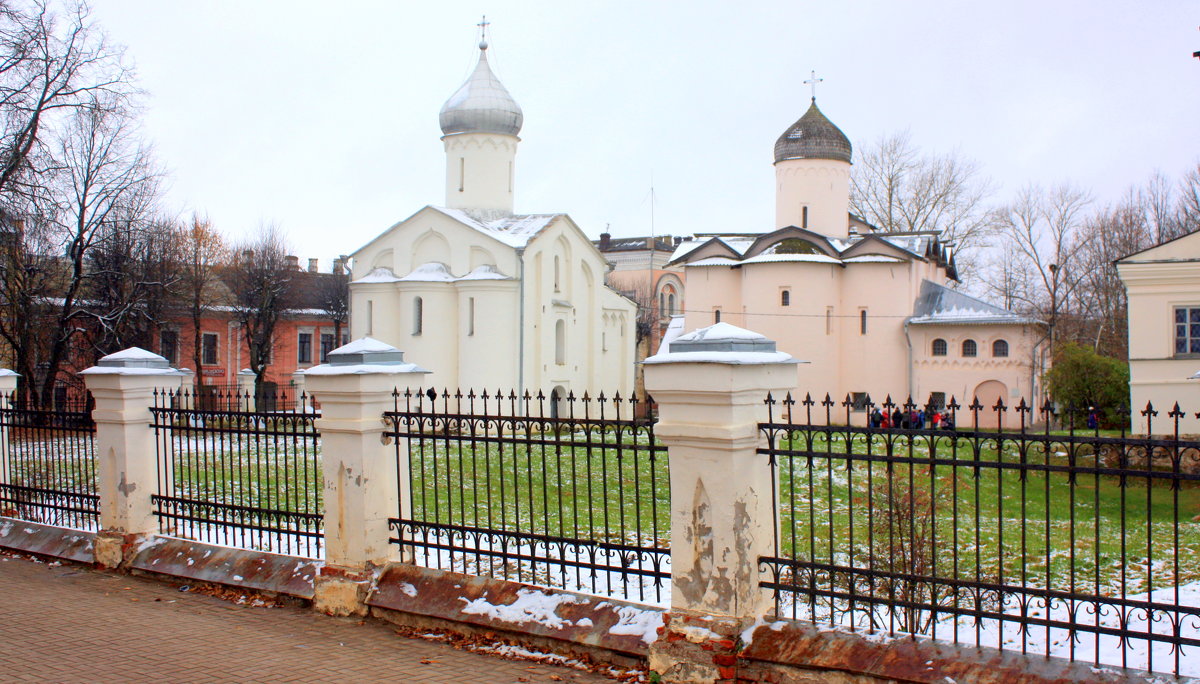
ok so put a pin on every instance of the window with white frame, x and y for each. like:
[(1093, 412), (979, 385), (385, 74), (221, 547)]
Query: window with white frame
[(168, 345), (1187, 330), (304, 345), (326, 346), (209, 343)]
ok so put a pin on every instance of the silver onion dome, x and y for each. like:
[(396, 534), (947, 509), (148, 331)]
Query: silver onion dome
[(813, 137), (481, 105)]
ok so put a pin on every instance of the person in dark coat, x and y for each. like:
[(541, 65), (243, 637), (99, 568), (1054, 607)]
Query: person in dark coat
[(876, 418), (897, 419)]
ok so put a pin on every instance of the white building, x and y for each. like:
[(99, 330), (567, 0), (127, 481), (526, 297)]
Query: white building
[(483, 297), (1163, 284), (870, 310)]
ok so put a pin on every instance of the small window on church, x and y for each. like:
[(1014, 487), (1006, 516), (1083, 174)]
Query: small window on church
[(785, 298), (716, 315), (804, 216), (556, 280), (560, 343), (462, 172), (829, 320), (418, 316), (862, 322), (470, 316), (370, 317), (671, 305), (1000, 349), (940, 348), (970, 349)]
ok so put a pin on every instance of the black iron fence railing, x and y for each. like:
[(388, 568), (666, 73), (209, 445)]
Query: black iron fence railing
[(567, 492), (48, 465), (1079, 543), (250, 479)]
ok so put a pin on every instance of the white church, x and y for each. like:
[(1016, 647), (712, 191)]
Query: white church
[(481, 296), (872, 311)]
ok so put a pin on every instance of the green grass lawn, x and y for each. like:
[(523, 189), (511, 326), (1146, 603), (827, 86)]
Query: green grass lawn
[(1090, 533), (591, 484)]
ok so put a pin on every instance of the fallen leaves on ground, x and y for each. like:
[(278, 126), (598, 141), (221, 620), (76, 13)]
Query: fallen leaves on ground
[(488, 643)]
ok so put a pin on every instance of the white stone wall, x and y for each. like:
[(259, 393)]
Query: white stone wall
[(480, 171), (822, 185)]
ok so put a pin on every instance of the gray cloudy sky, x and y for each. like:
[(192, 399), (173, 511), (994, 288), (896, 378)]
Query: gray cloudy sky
[(322, 117)]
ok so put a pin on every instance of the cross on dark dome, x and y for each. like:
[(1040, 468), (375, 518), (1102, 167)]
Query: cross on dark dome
[(813, 81)]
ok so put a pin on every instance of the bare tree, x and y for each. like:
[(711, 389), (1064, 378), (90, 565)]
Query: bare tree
[(202, 251), (334, 292), (107, 183), (1115, 231), (1043, 227), (130, 275), (897, 188), (1188, 207), (49, 66), (260, 282)]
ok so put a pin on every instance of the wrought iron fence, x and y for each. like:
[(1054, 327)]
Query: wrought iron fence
[(250, 479), (1069, 542), (48, 465), (568, 492)]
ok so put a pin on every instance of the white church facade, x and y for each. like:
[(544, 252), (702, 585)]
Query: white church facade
[(481, 296), (871, 311)]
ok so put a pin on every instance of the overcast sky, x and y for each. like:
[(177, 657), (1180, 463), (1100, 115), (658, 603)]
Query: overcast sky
[(323, 117)]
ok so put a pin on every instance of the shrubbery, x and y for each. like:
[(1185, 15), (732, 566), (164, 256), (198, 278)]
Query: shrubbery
[(1082, 379)]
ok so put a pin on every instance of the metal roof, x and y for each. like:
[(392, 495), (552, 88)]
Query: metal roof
[(937, 304), (481, 105), (813, 137)]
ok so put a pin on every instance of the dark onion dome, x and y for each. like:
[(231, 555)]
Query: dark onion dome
[(813, 137), (481, 105)]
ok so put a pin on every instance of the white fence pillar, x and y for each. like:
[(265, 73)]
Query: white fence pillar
[(711, 390), (361, 486), (123, 386)]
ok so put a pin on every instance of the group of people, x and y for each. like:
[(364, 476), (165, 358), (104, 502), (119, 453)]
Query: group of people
[(912, 419)]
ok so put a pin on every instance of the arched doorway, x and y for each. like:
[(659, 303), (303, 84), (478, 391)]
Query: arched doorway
[(556, 399), (988, 393)]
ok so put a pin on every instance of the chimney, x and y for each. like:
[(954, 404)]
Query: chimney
[(337, 266), (293, 263), (605, 241), (651, 243), (312, 266)]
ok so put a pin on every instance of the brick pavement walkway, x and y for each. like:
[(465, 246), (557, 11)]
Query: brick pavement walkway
[(72, 624)]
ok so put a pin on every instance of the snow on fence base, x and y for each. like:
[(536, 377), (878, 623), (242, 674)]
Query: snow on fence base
[(776, 648), (573, 619)]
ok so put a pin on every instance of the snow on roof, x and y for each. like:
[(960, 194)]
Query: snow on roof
[(940, 304), (715, 261), (432, 272), (768, 258), (383, 274), (132, 353), (872, 259), (485, 272), (674, 330), (514, 231), (686, 247), (721, 331), (364, 344)]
